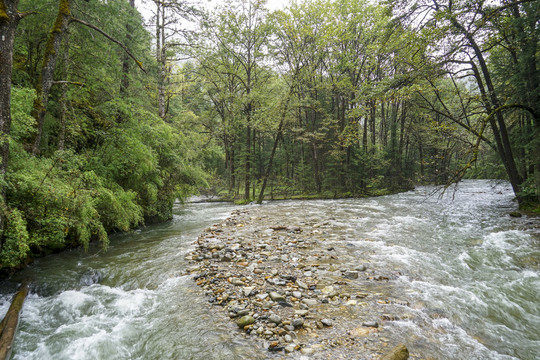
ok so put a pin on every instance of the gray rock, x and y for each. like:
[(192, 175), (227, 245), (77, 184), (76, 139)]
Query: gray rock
[(301, 284), (290, 348), (351, 275), (297, 294), (288, 338), (237, 282), (361, 268), (326, 322), (276, 296), (301, 312), (309, 302), (297, 322), (227, 257), (373, 324), (243, 312), (247, 291), (275, 319)]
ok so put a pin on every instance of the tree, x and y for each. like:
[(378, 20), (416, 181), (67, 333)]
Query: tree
[(467, 34), (240, 34), (52, 50)]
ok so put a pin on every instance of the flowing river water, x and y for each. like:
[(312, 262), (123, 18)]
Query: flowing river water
[(469, 273)]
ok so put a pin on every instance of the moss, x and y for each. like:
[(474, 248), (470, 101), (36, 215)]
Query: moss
[(3, 13)]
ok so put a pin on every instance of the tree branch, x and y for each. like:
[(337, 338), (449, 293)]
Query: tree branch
[(139, 64)]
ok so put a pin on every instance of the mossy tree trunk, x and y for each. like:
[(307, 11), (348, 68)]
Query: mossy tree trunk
[(46, 78), (8, 326), (9, 19)]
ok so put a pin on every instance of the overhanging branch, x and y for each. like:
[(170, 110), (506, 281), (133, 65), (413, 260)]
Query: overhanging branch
[(93, 27)]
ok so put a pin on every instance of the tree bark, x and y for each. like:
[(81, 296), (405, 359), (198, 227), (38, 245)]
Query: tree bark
[(47, 70), (9, 324), (63, 96), (9, 20), (124, 85)]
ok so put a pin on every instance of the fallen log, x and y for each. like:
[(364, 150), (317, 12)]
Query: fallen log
[(8, 326)]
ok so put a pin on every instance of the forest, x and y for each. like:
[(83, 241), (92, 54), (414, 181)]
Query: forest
[(107, 117)]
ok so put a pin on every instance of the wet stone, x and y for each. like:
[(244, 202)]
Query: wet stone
[(372, 324), (327, 322), (277, 297), (296, 323), (275, 319), (244, 321), (350, 275)]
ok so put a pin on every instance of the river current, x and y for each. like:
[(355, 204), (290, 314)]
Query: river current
[(469, 273)]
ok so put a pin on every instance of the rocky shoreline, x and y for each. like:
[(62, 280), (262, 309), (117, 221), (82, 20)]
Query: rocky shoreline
[(293, 290)]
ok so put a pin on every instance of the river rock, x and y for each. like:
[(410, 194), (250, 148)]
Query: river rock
[(327, 322), (274, 319), (297, 322), (372, 324), (277, 297), (290, 348), (309, 302), (245, 320), (399, 352), (237, 282), (301, 284), (351, 275), (515, 214), (297, 294), (247, 290), (242, 312), (91, 277)]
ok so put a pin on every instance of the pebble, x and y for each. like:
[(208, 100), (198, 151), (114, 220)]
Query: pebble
[(237, 282), (290, 348), (327, 322), (372, 324), (277, 297), (309, 302), (247, 291), (301, 284), (244, 321), (353, 275), (279, 286)]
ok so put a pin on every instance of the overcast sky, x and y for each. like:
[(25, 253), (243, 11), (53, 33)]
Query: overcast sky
[(144, 6)]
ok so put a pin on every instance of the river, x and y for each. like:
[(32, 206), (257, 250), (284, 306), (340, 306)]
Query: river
[(469, 273)]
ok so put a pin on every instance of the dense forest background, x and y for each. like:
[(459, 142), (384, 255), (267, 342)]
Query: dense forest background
[(107, 118)]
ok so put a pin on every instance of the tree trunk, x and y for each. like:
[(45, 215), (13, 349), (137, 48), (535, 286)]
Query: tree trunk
[(46, 78), (63, 96), (124, 84), (248, 163), (9, 19), (279, 135), (9, 324), (492, 103)]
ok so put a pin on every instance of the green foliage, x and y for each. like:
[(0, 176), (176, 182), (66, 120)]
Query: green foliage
[(15, 239)]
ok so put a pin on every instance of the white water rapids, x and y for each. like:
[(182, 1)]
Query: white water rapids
[(470, 273)]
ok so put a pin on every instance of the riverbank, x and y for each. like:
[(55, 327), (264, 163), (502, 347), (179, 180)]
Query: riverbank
[(290, 287)]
